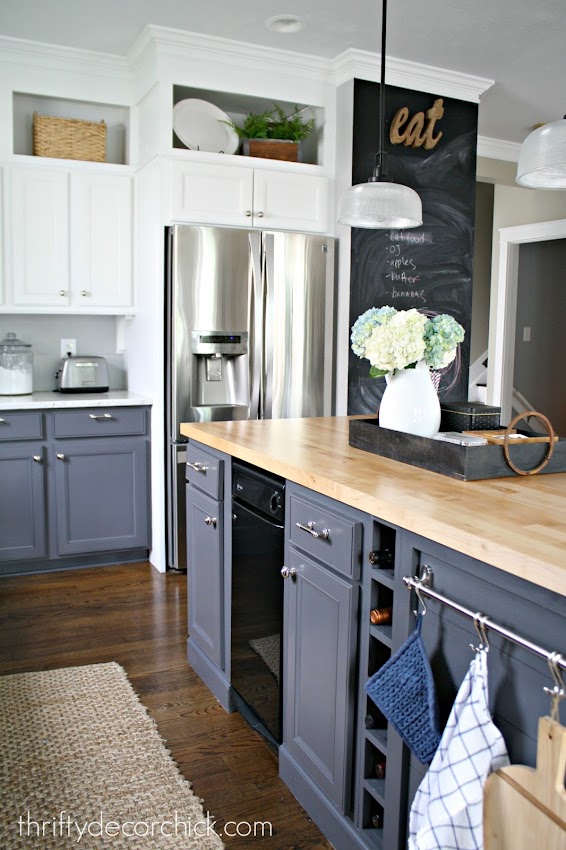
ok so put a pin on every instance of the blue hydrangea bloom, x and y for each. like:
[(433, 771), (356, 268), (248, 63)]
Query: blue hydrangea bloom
[(364, 325)]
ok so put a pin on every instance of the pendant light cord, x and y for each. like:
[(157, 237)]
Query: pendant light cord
[(378, 167)]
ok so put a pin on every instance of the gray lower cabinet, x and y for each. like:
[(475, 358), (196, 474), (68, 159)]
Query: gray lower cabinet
[(320, 651), (74, 488), (209, 572), (101, 494), (325, 547), (23, 533), (205, 573)]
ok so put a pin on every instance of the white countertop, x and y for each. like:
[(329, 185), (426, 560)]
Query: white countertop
[(55, 400)]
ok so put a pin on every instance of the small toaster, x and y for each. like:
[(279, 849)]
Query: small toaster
[(82, 375)]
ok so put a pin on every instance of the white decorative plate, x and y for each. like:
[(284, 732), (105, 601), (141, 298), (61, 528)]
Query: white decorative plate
[(199, 125)]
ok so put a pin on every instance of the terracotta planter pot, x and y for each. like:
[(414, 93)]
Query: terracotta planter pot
[(273, 149)]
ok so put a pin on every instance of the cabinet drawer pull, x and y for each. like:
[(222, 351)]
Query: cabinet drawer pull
[(37, 458), (2, 420), (60, 457), (259, 214), (100, 415), (198, 467), (286, 573), (309, 528), (211, 520)]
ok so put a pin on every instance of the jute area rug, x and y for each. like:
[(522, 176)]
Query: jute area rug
[(83, 766)]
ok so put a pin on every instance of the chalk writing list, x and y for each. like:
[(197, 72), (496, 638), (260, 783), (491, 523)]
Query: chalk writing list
[(403, 279)]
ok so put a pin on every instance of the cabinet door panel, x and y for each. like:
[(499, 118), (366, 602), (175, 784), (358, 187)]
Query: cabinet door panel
[(40, 237), (205, 573), (22, 502), (319, 664), (101, 494), (101, 240), (290, 201), (211, 194)]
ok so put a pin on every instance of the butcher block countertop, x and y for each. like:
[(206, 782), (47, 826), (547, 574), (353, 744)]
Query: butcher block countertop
[(516, 524)]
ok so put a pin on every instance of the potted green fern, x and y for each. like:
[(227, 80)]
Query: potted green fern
[(274, 134)]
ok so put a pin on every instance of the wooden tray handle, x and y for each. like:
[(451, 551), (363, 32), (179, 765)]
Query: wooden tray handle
[(549, 451)]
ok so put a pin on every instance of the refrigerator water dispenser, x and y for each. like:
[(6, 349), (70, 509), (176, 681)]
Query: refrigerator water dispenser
[(220, 369)]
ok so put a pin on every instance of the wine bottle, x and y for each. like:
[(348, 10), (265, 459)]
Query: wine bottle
[(380, 616), (370, 721), (381, 558), (375, 821), (380, 769)]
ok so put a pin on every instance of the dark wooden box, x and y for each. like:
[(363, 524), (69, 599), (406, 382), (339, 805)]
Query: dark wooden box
[(468, 463)]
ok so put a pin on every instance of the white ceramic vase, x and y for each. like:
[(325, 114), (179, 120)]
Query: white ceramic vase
[(410, 402)]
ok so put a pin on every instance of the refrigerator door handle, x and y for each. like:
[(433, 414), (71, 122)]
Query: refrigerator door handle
[(269, 328), (255, 340)]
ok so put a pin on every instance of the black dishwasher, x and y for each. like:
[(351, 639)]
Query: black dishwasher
[(258, 516)]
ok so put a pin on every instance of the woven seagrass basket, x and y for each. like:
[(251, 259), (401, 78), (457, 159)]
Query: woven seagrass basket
[(69, 138)]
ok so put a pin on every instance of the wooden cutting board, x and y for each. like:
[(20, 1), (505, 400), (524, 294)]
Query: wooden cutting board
[(525, 808)]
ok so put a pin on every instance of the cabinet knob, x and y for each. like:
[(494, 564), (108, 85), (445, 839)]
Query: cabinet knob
[(248, 213), (211, 520), (37, 458), (286, 572), (84, 293), (2, 420), (259, 214), (309, 528), (60, 456), (62, 292)]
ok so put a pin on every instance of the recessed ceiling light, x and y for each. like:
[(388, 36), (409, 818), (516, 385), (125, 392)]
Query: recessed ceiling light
[(285, 23)]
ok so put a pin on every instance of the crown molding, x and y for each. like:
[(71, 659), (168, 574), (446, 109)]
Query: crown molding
[(362, 64), (498, 149), (60, 57), (176, 43)]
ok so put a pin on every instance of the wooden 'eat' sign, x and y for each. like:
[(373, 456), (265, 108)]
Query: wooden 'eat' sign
[(414, 133)]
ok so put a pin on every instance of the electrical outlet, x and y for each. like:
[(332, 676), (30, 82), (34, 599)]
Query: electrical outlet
[(526, 334), (68, 346)]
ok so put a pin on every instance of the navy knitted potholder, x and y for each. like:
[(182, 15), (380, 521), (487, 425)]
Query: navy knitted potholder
[(403, 690)]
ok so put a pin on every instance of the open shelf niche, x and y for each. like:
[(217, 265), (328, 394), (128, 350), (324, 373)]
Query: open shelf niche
[(237, 106), (117, 120)]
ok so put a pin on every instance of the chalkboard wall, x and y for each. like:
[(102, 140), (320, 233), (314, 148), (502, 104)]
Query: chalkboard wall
[(428, 267)]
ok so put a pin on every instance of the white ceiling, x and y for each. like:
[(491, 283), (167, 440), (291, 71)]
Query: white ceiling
[(519, 44)]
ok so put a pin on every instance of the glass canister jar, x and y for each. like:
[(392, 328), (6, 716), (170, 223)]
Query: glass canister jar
[(16, 366)]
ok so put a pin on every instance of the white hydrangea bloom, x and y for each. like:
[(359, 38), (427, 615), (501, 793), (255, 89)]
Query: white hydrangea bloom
[(398, 343)]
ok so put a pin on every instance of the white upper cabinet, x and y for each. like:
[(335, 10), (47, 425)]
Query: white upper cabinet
[(286, 200), (71, 244), (101, 242), (248, 197), (40, 237), (212, 194)]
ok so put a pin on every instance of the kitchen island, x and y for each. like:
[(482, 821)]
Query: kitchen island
[(517, 524), (356, 524)]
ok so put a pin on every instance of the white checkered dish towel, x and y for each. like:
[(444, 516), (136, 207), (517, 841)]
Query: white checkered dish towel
[(447, 811)]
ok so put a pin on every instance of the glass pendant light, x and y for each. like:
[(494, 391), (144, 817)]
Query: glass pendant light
[(378, 204), (542, 158)]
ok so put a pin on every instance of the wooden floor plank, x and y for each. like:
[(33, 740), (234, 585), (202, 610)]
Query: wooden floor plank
[(136, 616)]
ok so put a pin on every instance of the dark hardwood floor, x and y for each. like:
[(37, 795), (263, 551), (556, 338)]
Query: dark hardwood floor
[(136, 616)]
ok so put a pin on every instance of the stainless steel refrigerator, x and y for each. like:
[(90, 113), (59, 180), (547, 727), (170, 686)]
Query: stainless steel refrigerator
[(249, 334)]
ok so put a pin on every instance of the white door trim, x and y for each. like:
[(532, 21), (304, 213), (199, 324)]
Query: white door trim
[(502, 343)]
